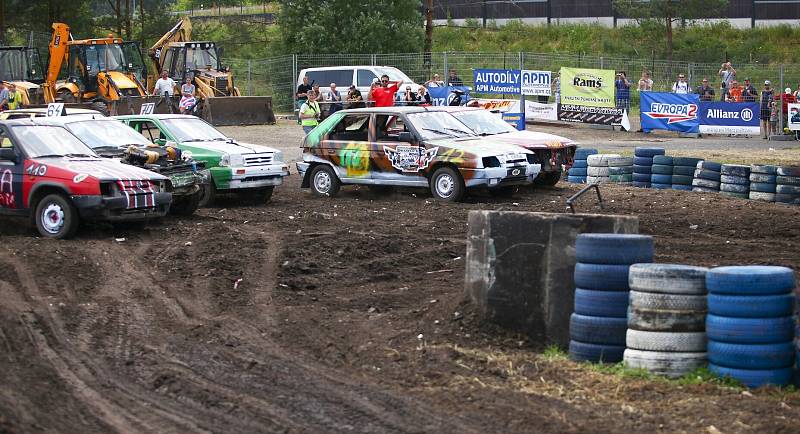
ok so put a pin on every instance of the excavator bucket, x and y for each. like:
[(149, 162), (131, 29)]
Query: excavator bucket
[(238, 110)]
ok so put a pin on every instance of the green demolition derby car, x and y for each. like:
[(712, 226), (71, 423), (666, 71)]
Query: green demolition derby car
[(252, 171)]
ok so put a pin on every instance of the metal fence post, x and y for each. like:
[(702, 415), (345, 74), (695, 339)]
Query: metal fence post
[(249, 78), (521, 95), (601, 62), (374, 59), (294, 84), (445, 64), (780, 102)]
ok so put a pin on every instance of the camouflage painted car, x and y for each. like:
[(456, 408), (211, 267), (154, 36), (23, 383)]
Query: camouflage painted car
[(413, 147), (253, 171), (554, 153)]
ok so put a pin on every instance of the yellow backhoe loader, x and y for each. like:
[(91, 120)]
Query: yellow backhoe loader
[(219, 100), (22, 67)]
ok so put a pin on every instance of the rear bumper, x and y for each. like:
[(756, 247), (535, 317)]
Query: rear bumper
[(116, 208), (257, 177)]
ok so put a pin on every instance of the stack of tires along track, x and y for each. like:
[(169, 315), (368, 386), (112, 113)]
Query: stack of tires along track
[(750, 324), (763, 182), (706, 177), (683, 172), (620, 170), (642, 164), (598, 171), (661, 172), (666, 319), (788, 185), (735, 180), (577, 173), (598, 326)]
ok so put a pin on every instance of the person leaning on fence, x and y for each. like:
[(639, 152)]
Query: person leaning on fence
[(423, 97), (767, 96), (434, 82), (749, 92), (453, 79), (335, 97), (302, 92), (645, 83), (705, 90), (409, 98), (623, 87), (310, 112), (354, 98), (728, 74), (733, 92), (681, 86)]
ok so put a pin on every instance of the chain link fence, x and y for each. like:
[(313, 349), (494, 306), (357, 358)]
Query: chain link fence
[(277, 76)]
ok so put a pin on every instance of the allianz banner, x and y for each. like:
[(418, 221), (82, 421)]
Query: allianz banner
[(669, 111), (729, 118)]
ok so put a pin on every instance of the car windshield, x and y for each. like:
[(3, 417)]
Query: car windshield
[(394, 74), (103, 133), (483, 122), (192, 130), (438, 125), (46, 140)]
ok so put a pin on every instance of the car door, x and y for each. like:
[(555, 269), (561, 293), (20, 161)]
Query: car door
[(11, 169), (347, 147), (398, 160)]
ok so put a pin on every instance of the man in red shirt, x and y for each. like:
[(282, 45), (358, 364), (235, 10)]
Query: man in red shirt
[(384, 94)]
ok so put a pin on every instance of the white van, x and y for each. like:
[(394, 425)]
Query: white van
[(361, 76)]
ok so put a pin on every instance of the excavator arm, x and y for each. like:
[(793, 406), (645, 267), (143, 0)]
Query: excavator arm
[(181, 32), (58, 55)]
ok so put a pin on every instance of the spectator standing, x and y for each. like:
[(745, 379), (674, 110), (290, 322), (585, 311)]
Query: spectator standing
[(796, 93), (705, 91), (164, 85), (302, 92), (681, 86), (749, 92), (14, 98), (354, 97), (434, 82), (309, 112), (728, 74), (188, 101), (785, 98), (645, 83), (557, 87), (370, 97), (767, 97), (3, 97), (384, 94), (623, 87), (453, 79), (335, 97), (423, 97), (733, 92)]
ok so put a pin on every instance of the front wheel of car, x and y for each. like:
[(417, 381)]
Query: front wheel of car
[(324, 182), (548, 178), (186, 205), (446, 184), (208, 192), (56, 217)]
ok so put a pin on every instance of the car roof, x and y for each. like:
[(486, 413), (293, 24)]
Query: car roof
[(43, 110), (330, 68), (63, 120), (453, 108), (398, 109), (156, 116)]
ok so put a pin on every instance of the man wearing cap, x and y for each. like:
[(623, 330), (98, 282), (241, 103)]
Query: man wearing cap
[(705, 91), (767, 94), (749, 93)]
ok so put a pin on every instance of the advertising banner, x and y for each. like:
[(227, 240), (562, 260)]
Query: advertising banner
[(794, 117), (587, 87), (730, 118), (670, 111), (494, 105), (590, 115), (445, 95), (536, 82), (517, 120), (497, 81)]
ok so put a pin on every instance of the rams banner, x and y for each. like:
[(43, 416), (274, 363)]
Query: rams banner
[(670, 111), (587, 87)]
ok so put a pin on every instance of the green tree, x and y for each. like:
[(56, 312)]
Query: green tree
[(351, 26), (667, 12)]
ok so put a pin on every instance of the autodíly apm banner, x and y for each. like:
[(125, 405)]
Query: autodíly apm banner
[(587, 87), (669, 111), (729, 118)]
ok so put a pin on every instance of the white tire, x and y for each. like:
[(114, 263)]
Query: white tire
[(597, 171), (686, 342), (596, 179), (620, 161), (766, 197), (668, 364), (674, 302), (668, 278), (600, 159)]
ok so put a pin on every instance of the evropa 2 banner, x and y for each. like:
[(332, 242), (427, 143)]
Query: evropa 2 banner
[(670, 111)]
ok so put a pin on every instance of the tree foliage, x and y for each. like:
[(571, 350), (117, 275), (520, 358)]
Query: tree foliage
[(351, 26)]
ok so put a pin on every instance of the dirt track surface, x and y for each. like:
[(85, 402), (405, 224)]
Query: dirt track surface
[(349, 317)]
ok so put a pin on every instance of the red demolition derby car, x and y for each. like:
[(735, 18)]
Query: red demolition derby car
[(48, 174)]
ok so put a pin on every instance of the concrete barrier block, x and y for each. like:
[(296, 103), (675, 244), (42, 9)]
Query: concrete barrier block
[(519, 267)]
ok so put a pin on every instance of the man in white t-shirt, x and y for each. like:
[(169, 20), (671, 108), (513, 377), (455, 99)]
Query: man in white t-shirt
[(681, 86), (164, 85)]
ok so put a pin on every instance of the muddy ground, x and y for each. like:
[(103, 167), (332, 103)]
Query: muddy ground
[(339, 315)]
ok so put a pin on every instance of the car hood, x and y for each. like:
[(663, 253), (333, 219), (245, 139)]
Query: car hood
[(480, 146), (534, 140), (225, 147), (104, 169)]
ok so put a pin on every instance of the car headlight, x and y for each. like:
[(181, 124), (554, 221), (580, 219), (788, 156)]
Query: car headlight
[(225, 161), (277, 157), (237, 160)]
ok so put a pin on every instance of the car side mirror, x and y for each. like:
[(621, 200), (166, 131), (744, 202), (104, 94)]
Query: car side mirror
[(405, 136), (160, 142), (8, 154)]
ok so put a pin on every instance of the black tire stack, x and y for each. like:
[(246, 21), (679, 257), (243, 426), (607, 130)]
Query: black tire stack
[(735, 181), (683, 172), (666, 319), (787, 189), (763, 179), (642, 164), (598, 326), (577, 173), (750, 324), (706, 177), (661, 172)]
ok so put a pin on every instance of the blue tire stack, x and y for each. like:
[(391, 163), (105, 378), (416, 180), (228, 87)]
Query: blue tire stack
[(763, 182), (787, 189), (735, 181), (577, 173), (642, 164), (750, 325), (598, 326), (706, 177), (683, 172), (661, 172)]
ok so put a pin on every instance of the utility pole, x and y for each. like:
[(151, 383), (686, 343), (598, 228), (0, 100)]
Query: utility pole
[(483, 12), (428, 37), (2, 21)]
